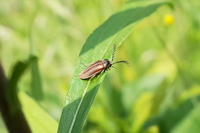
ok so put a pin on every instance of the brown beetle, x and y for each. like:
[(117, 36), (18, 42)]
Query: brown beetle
[(99, 67)]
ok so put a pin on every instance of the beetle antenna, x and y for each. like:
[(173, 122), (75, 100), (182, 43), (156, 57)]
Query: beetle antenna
[(113, 54), (122, 61)]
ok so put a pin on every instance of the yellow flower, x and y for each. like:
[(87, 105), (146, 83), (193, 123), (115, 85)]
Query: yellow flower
[(168, 19)]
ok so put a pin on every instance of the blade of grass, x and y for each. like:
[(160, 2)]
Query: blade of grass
[(17, 73), (36, 84), (39, 120), (98, 46)]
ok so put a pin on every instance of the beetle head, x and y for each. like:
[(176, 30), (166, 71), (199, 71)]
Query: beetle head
[(106, 63)]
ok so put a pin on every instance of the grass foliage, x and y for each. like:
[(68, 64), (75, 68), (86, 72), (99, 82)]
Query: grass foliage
[(159, 93)]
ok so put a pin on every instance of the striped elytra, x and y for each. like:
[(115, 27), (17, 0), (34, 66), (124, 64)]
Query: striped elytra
[(95, 68), (99, 67)]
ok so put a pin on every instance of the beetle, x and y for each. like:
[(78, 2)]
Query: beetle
[(99, 67)]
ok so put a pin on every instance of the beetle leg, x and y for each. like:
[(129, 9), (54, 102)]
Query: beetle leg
[(92, 77), (113, 67), (100, 74)]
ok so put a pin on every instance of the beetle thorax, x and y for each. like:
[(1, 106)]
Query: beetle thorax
[(106, 63)]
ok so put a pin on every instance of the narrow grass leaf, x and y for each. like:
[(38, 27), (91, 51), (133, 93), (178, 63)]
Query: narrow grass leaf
[(36, 84), (16, 74), (39, 120)]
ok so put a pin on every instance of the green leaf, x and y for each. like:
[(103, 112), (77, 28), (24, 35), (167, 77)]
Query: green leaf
[(39, 120), (11, 92), (36, 85), (181, 119), (190, 122), (17, 72), (98, 46)]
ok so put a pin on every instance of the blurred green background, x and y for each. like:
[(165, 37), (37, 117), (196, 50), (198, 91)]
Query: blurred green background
[(158, 93)]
